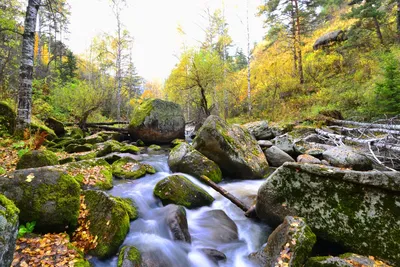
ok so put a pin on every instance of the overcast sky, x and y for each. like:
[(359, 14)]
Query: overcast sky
[(153, 24)]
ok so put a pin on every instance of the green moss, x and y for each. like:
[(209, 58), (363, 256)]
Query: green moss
[(82, 263), (127, 203), (137, 170), (11, 211), (141, 112), (176, 142), (7, 118), (2, 171), (76, 133), (140, 143), (129, 149), (74, 148), (154, 147), (88, 156), (129, 253), (34, 159), (38, 125)]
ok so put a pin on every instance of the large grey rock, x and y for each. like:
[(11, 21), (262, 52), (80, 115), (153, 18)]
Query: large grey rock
[(346, 157), (218, 226), (285, 143), (157, 121), (233, 148), (264, 144), (260, 130), (46, 195), (8, 230), (184, 158), (277, 157), (177, 223), (290, 243), (310, 148), (345, 260), (358, 210)]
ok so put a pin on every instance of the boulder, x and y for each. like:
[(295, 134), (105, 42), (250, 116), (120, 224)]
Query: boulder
[(38, 126), (214, 255), (109, 221), (345, 157), (154, 148), (74, 148), (8, 230), (129, 207), (112, 146), (157, 121), (177, 189), (37, 158), (94, 139), (233, 148), (308, 159), (358, 210), (345, 260), (129, 256), (288, 245), (260, 130), (264, 144), (128, 168), (46, 195), (277, 157), (177, 223), (76, 132), (285, 143), (56, 125), (218, 226), (310, 148), (7, 118), (184, 158), (176, 142)]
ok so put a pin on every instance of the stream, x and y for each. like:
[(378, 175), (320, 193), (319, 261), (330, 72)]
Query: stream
[(150, 234)]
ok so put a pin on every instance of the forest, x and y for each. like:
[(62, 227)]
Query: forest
[(290, 145)]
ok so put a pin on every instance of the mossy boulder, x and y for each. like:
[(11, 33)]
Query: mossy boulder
[(37, 158), (75, 132), (177, 189), (129, 257), (39, 126), (86, 156), (56, 125), (157, 121), (94, 139), (345, 157), (176, 142), (129, 207), (233, 148), (128, 168), (184, 158), (91, 174), (154, 148), (7, 118), (358, 210), (74, 148), (345, 260), (260, 130), (112, 146), (131, 149), (8, 230), (109, 221), (291, 243), (46, 195)]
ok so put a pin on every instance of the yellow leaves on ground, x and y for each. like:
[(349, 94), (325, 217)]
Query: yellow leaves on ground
[(81, 238), (45, 251), (91, 176), (8, 155)]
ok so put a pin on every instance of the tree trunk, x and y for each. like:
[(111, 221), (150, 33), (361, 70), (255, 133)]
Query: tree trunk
[(248, 61), (294, 41), (298, 30), (378, 30), (24, 112)]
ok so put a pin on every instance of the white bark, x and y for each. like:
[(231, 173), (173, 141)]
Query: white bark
[(369, 125), (248, 60)]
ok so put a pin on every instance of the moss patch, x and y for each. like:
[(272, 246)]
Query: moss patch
[(131, 254), (36, 158), (130, 208), (128, 168), (11, 211)]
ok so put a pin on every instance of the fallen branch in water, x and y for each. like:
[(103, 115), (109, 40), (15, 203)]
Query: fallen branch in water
[(248, 210)]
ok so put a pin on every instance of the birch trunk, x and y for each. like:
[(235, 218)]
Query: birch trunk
[(248, 61), (24, 112)]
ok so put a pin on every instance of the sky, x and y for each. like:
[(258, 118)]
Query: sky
[(153, 25)]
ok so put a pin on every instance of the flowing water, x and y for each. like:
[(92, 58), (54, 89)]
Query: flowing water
[(150, 234)]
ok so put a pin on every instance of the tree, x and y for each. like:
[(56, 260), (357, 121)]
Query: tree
[(24, 112)]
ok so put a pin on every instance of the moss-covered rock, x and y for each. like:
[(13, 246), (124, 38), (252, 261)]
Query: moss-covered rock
[(177, 189), (113, 146), (129, 257), (74, 148), (154, 148), (128, 206), (176, 142), (46, 195), (139, 142), (86, 156), (37, 158), (184, 158), (345, 260), (39, 126), (7, 118), (233, 148), (157, 121), (131, 149), (8, 230), (260, 130), (56, 125), (346, 157), (128, 168), (66, 160), (75, 132), (94, 139), (91, 174), (291, 243), (109, 221), (358, 210)]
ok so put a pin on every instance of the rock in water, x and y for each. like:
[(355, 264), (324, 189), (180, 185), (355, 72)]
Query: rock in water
[(46, 195), (36, 158), (233, 148), (128, 168), (277, 157), (8, 230), (184, 158), (345, 260), (346, 157), (290, 243), (358, 210), (109, 221), (129, 257), (177, 189), (177, 223), (260, 130), (157, 121), (218, 226)]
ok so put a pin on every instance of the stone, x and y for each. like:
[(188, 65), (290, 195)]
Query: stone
[(7, 118), (233, 148), (154, 148), (177, 189), (129, 256), (264, 144), (345, 260), (308, 159), (312, 149), (177, 223), (113, 146), (38, 126), (157, 121), (75, 132), (94, 139), (184, 158), (8, 230), (345, 157), (357, 210), (109, 221), (128, 168), (74, 148), (285, 143), (46, 195), (37, 158), (214, 255), (218, 226), (56, 125), (176, 142), (260, 130), (277, 157), (291, 242)]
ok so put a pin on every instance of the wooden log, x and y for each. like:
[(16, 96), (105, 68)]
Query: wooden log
[(360, 130), (366, 125)]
